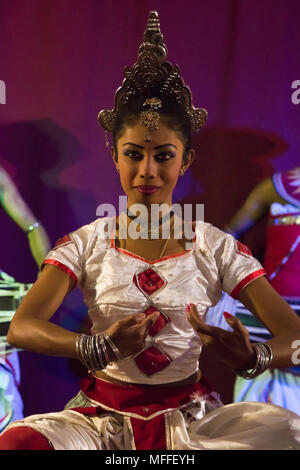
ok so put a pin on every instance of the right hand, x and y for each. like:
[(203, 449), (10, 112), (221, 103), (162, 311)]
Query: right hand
[(129, 334)]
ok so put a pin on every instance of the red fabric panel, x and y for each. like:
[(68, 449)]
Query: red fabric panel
[(62, 241), (143, 401), (149, 435), (280, 239), (152, 360), (149, 281), (139, 399), (243, 248), (160, 322), (23, 438)]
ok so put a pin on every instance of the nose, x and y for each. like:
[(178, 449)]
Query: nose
[(148, 167)]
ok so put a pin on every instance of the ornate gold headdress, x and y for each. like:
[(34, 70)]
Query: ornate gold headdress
[(152, 71)]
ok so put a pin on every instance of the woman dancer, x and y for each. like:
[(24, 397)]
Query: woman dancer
[(11, 404), (144, 389), (279, 197)]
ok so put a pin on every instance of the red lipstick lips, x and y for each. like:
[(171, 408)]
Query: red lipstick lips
[(147, 189)]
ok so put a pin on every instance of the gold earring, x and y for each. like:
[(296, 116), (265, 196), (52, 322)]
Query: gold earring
[(182, 171)]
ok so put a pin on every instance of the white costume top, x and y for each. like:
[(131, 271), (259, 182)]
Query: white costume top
[(116, 283)]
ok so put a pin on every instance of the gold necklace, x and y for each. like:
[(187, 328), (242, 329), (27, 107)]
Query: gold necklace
[(122, 241)]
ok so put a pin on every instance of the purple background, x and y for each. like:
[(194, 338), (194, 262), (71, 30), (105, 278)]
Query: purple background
[(62, 62)]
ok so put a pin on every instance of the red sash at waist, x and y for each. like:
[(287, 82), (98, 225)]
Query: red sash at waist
[(141, 400), (144, 405)]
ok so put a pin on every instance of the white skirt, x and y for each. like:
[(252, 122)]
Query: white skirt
[(202, 423)]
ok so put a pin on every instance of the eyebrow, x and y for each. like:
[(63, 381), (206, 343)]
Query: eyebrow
[(157, 147)]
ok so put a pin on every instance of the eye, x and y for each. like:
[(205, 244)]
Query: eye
[(134, 154), (164, 156)]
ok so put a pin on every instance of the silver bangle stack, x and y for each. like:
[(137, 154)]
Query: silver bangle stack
[(264, 358), (92, 350), (114, 348)]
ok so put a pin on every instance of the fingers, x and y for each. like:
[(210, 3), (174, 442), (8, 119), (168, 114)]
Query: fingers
[(199, 325), (131, 320), (232, 347), (148, 322), (141, 329), (195, 319), (236, 325)]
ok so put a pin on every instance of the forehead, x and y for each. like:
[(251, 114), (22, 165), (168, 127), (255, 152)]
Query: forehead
[(137, 134)]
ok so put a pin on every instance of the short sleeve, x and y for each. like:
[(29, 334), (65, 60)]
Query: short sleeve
[(72, 252), (65, 255), (236, 265)]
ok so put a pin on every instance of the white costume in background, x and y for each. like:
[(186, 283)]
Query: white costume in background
[(282, 264)]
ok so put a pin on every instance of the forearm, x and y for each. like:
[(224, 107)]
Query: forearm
[(284, 349), (277, 316), (42, 337)]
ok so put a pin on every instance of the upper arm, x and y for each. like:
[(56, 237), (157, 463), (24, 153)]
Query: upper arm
[(45, 296), (269, 307), (61, 271)]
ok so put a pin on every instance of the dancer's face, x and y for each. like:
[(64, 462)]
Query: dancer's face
[(150, 164)]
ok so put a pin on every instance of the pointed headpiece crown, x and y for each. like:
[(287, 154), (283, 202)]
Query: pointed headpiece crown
[(152, 71)]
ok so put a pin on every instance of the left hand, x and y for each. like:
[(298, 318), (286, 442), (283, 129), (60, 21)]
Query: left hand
[(232, 347)]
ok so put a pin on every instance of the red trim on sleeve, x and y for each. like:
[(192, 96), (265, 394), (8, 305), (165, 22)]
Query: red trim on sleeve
[(246, 281), (63, 267)]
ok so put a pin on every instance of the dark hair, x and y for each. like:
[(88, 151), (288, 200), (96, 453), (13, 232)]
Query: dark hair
[(173, 114)]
